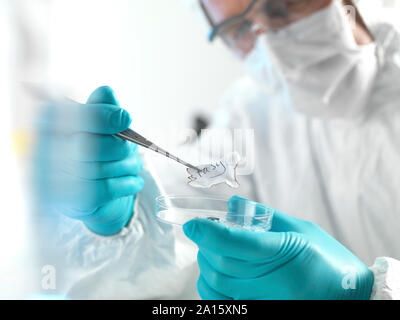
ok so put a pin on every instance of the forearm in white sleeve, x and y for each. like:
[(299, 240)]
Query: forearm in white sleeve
[(387, 279), (138, 263)]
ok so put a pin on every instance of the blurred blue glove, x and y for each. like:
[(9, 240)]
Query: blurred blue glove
[(81, 169), (295, 260)]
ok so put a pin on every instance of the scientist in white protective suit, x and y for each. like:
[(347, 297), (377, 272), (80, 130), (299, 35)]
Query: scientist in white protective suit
[(323, 100)]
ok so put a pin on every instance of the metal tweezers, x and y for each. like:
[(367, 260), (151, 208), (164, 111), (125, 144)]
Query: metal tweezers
[(133, 136), (128, 135)]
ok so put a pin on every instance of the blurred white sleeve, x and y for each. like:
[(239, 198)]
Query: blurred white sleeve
[(138, 263), (387, 279)]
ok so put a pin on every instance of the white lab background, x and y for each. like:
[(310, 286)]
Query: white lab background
[(155, 55)]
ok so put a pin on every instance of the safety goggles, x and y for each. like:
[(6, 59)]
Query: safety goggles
[(260, 16)]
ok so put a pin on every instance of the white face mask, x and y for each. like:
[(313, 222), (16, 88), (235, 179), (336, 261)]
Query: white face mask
[(326, 72)]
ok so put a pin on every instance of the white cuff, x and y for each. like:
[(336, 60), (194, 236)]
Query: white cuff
[(387, 279)]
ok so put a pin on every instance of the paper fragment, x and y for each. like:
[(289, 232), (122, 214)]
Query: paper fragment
[(209, 175)]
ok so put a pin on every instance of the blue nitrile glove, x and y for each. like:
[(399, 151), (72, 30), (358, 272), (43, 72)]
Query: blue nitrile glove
[(295, 260), (81, 169)]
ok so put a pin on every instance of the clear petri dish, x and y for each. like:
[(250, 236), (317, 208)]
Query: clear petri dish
[(239, 213)]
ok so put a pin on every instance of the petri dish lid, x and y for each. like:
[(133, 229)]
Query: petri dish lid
[(237, 212)]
